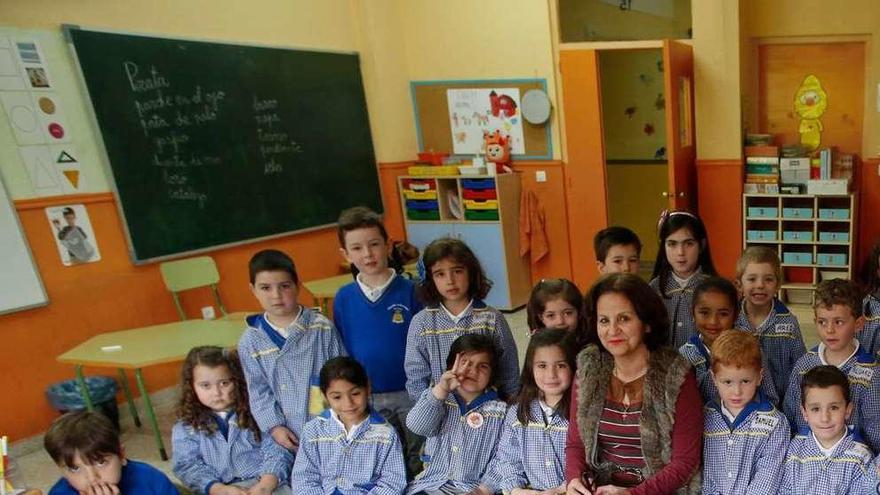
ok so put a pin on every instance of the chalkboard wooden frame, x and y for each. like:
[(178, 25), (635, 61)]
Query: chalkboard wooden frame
[(360, 172)]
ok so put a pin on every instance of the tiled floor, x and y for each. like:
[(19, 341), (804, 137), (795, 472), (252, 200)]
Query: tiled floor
[(39, 471)]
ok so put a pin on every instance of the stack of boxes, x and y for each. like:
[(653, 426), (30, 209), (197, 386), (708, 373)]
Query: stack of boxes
[(480, 199), (762, 169), (421, 199)]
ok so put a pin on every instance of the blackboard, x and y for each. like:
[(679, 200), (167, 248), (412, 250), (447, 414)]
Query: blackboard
[(211, 144)]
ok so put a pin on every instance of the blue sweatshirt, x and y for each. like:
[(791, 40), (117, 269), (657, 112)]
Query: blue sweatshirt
[(374, 333)]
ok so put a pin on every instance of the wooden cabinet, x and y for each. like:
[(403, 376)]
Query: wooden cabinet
[(813, 236), (482, 211)]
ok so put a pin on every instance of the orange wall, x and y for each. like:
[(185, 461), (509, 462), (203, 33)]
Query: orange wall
[(112, 294), (719, 186), (869, 204)]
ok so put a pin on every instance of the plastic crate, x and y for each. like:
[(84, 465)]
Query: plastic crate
[(409, 194), (478, 183), (489, 204), (423, 214), (831, 259), (418, 204), (834, 236), (479, 194), (834, 213), (797, 258), (760, 235), (419, 184), (481, 215), (797, 213), (762, 212)]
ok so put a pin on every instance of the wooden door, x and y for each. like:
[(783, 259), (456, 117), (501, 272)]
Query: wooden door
[(678, 63), (585, 166)]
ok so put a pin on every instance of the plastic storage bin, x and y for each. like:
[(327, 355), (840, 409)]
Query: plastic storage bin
[(761, 235), (797, 213), (478, 183), (834, 236), (834, 213), (763, 212), (66, 396), (797, 235), (831, 259), (797, 258)]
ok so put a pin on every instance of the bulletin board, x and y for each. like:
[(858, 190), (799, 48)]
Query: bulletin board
[(432, 115)]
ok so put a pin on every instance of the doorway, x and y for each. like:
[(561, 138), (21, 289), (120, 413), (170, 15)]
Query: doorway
[(634, 125)]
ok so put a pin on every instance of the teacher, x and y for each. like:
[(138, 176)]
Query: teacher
[(636, 415)]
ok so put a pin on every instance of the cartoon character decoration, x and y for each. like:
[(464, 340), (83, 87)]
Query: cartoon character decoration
[(497, 148), (502, 106), (810, 102)]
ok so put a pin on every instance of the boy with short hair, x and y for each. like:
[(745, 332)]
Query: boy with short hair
[(827, 456), (617, 250), (758, 272), (283, 349), (745, 437), (85, 445), (838, 318), (373, 315)]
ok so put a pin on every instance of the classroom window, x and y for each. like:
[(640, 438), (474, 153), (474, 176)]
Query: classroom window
[(620, 20)]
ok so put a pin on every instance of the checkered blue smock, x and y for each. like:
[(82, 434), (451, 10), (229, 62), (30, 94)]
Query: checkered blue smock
[(281, 373), (746, 456), (679, 303), (869, 337), (200, 458), (329, 463), (464, 438), (695, 351), (530, 456), (780, 340), (808, 470), (864, 390), (431, 334)]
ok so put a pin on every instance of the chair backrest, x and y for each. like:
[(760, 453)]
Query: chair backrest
[(191, 273)]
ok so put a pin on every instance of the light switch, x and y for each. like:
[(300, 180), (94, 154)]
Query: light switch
[(541, 176)]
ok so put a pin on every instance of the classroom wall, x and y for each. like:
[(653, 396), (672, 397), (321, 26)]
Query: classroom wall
[(600, 20), (114, 294)]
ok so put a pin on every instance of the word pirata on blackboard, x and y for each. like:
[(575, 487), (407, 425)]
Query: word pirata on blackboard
[(211, 144)]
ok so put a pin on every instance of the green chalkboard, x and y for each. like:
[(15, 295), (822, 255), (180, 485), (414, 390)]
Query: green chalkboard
[(212, 144)]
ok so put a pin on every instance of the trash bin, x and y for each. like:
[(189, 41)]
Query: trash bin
[(65, 396)]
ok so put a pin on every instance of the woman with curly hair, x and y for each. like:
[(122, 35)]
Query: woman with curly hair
[(218, 448)]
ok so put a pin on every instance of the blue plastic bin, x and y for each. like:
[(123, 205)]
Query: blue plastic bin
[(65, 396)]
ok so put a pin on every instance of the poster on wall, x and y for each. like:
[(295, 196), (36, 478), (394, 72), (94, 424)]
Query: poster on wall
[(472, 111), (73, 234)]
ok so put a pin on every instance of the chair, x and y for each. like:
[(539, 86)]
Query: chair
[(193, 273)]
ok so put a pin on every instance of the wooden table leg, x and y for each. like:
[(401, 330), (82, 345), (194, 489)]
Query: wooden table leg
[(131, 407), (150, 414), (83, 389)]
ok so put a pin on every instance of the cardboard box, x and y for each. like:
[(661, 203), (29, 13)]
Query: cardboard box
[(828, 187)]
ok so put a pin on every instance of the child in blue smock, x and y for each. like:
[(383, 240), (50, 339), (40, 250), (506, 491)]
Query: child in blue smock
[(216, 442)]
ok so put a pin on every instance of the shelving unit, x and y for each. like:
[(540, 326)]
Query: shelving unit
[(813, 235), (483, 211)]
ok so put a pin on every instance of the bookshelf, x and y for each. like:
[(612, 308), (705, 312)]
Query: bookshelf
[(813, 235), (482, 211)]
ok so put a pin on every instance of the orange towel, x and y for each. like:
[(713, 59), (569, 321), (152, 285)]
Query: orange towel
[(532, 226)]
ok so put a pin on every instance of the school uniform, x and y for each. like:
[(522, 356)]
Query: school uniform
[(434, 329), (368, 459), (744, 454), (810, 470), (530, 455), (679, 302), (283, 373), (696, 352), (228, 455), (137, 477), (871, 485), (780, 339), (462, 439), (869, 336), (864, 388)]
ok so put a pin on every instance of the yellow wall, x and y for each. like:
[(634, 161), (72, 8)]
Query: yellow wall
[(814, 18), (598, 20), (488, 39), (716, 78), (631, 79)]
